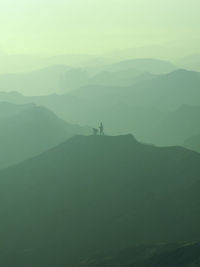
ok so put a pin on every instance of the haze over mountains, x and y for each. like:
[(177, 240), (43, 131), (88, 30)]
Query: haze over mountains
[(28, 130), (99, 133), (69, 198), (43, 81), (61, 78), (158, 108), (122, 193)]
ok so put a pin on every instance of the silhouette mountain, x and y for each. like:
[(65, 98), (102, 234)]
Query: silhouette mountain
[(169, 90), (28, 130), (119, 78), (94, 193), (154, 66), (191, 62), (62, 78), (158, 110), (39, 82), (9, 109), (193, 143), (176, 126)]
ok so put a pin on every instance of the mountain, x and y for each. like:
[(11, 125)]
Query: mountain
[(191, 62), (73, 79), (159, 110), (167, 91), (120, 78), (177, 126), (13, 97), (27, 130), (94, 193), (9, 109), (154, 66), (15, 63), (118, 117), (40, 82), (62, 79), (123, 73), (193, 143)]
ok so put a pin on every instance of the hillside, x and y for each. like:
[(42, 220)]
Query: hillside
[(170, 90), (163, 109), (119, 78), (166, 91), (177, 126), (151, 65), (28, 130), (193, 143), (94, 193), (39, 82)]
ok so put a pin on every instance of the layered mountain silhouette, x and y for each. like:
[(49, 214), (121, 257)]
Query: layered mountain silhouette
[(154, 66), (120, 78), (96, 193), (176, 127), (166, 91), (39, 82), (193, 142), (170, 90), (27, 130), (191, 62), (61, 78), (160, 109)]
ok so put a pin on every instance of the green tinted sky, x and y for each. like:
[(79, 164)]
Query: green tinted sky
[(96, 26)]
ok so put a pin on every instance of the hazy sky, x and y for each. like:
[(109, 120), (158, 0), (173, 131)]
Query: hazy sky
[(96, 26)]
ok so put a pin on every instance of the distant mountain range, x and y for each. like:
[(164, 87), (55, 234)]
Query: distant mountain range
[(193, 142), (40, 82), (191, 62), (177, 126), (161, 109), (27, 130), (62, 78), (154, 66), (91, 194)]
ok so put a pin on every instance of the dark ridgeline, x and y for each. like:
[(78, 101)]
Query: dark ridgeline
[(28, 130), (63, 78), (101, 200), (96, 195), (159, 109), (193, 142)]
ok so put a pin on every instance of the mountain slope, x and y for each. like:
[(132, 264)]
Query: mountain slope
[(27, 130), (119, 78), (193, 143), (92, 194), (40, 82), (170, 90), (177, 126), (133, 108), (154, 66)]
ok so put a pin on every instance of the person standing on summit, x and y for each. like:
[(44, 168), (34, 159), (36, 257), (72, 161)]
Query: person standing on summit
[(101, 129)]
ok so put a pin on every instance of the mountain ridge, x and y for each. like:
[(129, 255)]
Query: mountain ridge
[(72, 199)]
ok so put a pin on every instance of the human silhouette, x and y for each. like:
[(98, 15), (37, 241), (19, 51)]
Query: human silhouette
[(101, 129), (95, 131)]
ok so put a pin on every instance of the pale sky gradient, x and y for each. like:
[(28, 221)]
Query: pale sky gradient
[(50, 27)]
